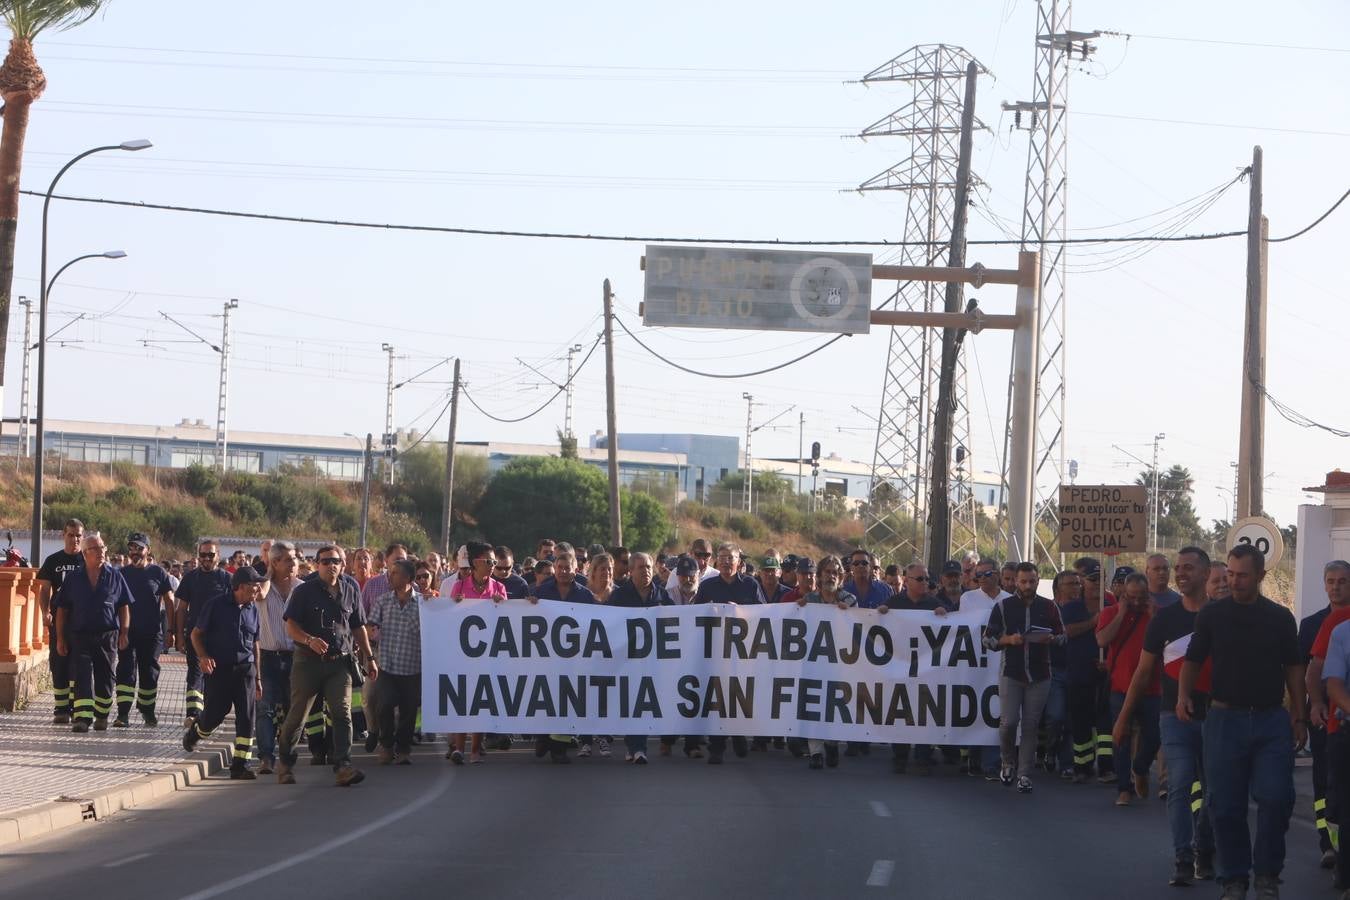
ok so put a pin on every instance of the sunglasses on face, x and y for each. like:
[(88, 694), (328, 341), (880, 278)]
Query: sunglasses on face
[(920, 579), (330, 561), (206, 556), (703, 555), (422, 576), (991, 573)]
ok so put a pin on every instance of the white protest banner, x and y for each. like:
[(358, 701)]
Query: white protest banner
[(777, 670)]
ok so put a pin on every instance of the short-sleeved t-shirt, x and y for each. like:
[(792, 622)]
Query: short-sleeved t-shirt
[(148, 586), (229, 630), (1082, 650), (1169, 625), (1122, 656), (198, 588), (1164, 598), (741, 589), (57, 566), (1251, 644)]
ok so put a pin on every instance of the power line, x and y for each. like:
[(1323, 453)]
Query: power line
[(676, 365), (1314, 224), (1264, 46), (1162, 121), (1296, 417), (562, 387)]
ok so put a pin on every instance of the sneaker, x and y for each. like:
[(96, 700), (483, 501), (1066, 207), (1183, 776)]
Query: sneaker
[(456, 757), (81, 726), (639, 758), (191, 737), (993, 776), (1182, 872), (1329, 858), (477, 759), (122, 721), (817, 761), (584, 752), (602, 744), (265, 766), (101, 723), (832, 755), (1267, 887), (1123, 798), (348, 775), (150, 719), (242, 773), (1234, 889), (1005, 775), (1204, 866), (1024, 785), (61, 718)]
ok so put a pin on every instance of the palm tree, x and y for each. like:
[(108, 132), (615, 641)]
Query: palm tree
[(21, 82)]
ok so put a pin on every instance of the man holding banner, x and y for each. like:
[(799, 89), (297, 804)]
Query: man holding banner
[(638, 591)]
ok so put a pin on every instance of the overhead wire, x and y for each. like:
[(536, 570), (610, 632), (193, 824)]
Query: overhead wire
[(673, 364), (561, 388)]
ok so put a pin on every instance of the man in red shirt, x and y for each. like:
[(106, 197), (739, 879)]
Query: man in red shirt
[(1120, 630)]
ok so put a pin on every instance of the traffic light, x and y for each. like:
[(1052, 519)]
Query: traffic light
[(815, 451)]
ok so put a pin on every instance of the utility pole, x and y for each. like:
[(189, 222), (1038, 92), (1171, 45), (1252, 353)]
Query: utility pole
[(1252, 424), (222, 407), (801, 447), (1153, 542), (572, 351), (611, 423), (939, 494), (450, 464), (23, 390), (748, 488), (389, 414), (365, 487)]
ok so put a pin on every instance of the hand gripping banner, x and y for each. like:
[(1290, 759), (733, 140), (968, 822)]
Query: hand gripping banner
[(777, 670)]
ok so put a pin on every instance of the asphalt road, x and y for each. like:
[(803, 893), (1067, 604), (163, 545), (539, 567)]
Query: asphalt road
[(519, 827)]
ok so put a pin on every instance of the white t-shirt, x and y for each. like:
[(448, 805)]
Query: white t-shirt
[(673, 582), (978, 601)]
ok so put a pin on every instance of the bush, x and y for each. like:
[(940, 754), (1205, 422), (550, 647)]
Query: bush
[(123, 496), (126, 472), (66, 493), (540, 496), (783, 519), (236, 507), (645, 523), (182, 525), (746, 526), (200, 480)]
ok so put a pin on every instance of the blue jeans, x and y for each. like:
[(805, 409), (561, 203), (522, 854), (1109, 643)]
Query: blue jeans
[(1146, 714), (1249, 753), (1057, 720), (637, 743), (276, 698), (1187, 813)]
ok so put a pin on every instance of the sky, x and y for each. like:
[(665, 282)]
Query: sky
[(734, 121)]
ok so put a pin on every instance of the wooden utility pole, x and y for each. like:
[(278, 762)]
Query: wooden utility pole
[(1252, 425), (611, 418), (450, 465), (939, 492), (366, 464)]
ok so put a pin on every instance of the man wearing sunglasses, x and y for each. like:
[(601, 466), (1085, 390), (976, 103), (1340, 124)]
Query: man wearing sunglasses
[(198, 588), (325, 620), (871, 592), (504, 571), (988, 593), (701, 552)]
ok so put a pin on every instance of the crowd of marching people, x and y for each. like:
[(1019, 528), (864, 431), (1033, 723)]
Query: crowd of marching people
[(1181, 681)]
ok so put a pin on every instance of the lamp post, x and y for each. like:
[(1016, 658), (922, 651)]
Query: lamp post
[(44, 287)]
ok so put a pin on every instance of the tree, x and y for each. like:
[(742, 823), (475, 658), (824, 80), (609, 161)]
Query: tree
[(567, 445), (422, 482), (1178, 523), (22, 82), (534, 497), (767, 487), (645, 522)]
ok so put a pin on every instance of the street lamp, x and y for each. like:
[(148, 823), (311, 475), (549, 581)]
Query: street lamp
[(130, 146)]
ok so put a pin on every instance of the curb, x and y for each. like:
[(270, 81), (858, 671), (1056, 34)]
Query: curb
[(41, 819)]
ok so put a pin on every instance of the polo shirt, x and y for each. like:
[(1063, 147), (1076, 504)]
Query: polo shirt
[(780, 593), (465, 589), (626, 595), (875, 593), (93, 609), (740, 589), (517, 588), (903, 600), (1081, 651), (549, 591), (198, 588), (148, 585), (1251, 645), (329, 616), (229, 630), (1122, 656)]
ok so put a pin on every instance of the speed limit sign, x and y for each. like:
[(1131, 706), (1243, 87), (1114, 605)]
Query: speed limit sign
[(1261, 533)]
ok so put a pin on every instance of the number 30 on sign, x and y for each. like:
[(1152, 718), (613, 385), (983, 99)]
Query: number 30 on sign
[(1261, 533)]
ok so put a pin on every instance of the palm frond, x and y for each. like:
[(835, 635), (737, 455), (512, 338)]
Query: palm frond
[(29, 18)]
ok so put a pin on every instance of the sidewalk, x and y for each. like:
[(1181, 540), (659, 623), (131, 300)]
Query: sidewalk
[(51, 778)]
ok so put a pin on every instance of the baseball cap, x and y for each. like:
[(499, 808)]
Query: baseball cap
[(769, 562), (806, 565), (245, 575), (1092, 570), (138, 537), (1121, 574), (686, 565), (951, 567), (789, 563)]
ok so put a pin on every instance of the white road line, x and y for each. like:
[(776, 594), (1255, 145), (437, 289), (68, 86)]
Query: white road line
[(124, 860), (880, 810), (882, 870), (355, 834), (283, 804)]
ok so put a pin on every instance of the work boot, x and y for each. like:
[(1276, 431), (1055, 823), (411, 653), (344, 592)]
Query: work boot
[(101, 723), (1182, 872), (61, 718), (1234, 889), (190, 738), (1329, 858), (81, 726), (1204, 866), (265, 765), (284, 774), (123, 720), (348, 775), (1267, 887), (241, 772), (150, 720)]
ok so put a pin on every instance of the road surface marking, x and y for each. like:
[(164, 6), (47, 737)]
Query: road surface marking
[(124, 860), (882, 870), (880, 810), (283, 804), (355, 834)]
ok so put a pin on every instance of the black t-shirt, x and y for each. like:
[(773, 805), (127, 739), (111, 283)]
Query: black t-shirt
[(1169, 624), (57, 566), (1251, 644), (148, 585), (198, 588)]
